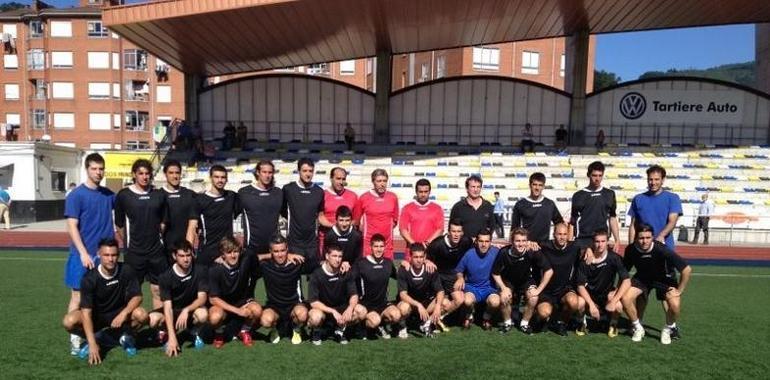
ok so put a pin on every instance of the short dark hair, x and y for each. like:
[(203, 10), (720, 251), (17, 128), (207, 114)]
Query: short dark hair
[(170, 163), (377, 238), (108, 242), (141, 163), (182, 245), (456, 222), (484, 231), (422, 182), (537, 176), (497, 193), (217, 168), (473, 178), (416, 247), (305, 161), (601, 232), (379, 173), (331, 247), (277, 239), (641, 227), (334, 169), (656, 169), (596, 166), (94, 157), (519, 231), (343, 212)]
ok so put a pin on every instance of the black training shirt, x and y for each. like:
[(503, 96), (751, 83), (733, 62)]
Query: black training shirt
[(591, 210), (234, 285), (563, 261), (372, 278), (108, 296), (261, 209), (599, 277), (657, 265), (301, 206), (421, 286), (536, 217), (180, 209), (141, 214), (183, 290), (518, 269), (474, 220), (351, 242), (215, 221), (444, 255), (283, 284), (331, 289)]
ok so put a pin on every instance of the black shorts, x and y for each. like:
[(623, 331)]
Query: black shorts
[(102, 321), (377, 308), (600, 299), (554, 297), (175, 314), (661, 287), (448, 282), (520, 290), (583, 242), (283, 311), (147, 267), (310, 253)]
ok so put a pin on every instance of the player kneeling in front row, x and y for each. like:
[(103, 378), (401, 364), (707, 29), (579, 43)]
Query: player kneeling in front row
[(421, 292), (284, 309), (183, 292), (596, 284), (521, 275), (333, 297), (231, 292), (654, 264), (474, 276), (109, 305), (372, 275), (559, 295)]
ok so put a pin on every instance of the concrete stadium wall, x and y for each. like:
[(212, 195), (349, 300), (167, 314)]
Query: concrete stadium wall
[(287, 107), (476, 109), (679, 111)]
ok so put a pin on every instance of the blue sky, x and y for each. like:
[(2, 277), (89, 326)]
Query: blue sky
[(631, 54)]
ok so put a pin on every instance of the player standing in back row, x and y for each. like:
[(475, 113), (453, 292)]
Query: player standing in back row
[(594, 208), (261, 202), (303, 205), (377, 213), (216, 209), (535, 213), (180, 206)]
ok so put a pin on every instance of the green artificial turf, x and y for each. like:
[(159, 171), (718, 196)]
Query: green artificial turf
[(725, 324)]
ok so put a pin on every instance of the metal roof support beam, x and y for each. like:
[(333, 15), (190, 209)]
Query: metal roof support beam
[(192, 86), (576, 75), (384, 64)]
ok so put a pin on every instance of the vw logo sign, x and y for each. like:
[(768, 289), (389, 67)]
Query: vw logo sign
[(632, 105)]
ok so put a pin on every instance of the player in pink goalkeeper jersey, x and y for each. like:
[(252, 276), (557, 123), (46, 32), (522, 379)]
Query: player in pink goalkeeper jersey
[(377, 213), (422, 220), (335, 196)]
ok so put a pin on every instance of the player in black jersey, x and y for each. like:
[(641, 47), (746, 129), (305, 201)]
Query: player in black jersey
[(283, 288), (594, 208), (333, 297), (655, 264), (180, 206), (344, 235), (140, 215), (110, 301), (564, 256), (216, 210), (443, 254), (231, 292), (474, 212), (535, 213), (183, 291), (521, 275), (372, 275), (261, 203), (420, 292), (596, 284), (303, 205)]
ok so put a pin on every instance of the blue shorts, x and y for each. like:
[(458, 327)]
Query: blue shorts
[(481, 293), (74, 271)]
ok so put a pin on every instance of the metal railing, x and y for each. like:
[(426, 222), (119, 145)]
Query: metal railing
[(288, 131), (674, 134)]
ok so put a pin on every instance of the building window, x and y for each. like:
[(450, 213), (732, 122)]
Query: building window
[(64, 120), (98, 60), (318, 69), (137, 90), (36, 29), (137, 145), (11, 91), (65, 144), (116, 61), (35, 59), (135, 59), (13, 119), (116, 121), (10, 61), (39, 89), (116, 90), (530, 62), (137, 120), (97, 29), (562, 65), (58, 181), (424, 72), (100, 146), (163, 94), (61, 29), (10, 30), (348, 67), (99, 90), (161, 70), (485, 58), (61, 59), (37, 119), (369, 64), (441, 67), (99, 121), (63, 90)]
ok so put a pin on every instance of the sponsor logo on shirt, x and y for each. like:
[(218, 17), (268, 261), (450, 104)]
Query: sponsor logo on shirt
[(596, 195), (304, 191), (113, 282), (185, 279), (536, 205), (342, 239), (378, 266), (601, 265), (174, 196), (219, 199), (333, 279), (144, 197), (647, 256), (417, 278), (264, 194)]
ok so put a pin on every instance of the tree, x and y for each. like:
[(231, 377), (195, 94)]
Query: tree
[(604, 79), (4, 7)]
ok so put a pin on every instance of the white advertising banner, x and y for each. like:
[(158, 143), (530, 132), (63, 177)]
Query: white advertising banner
[(678, 107)]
